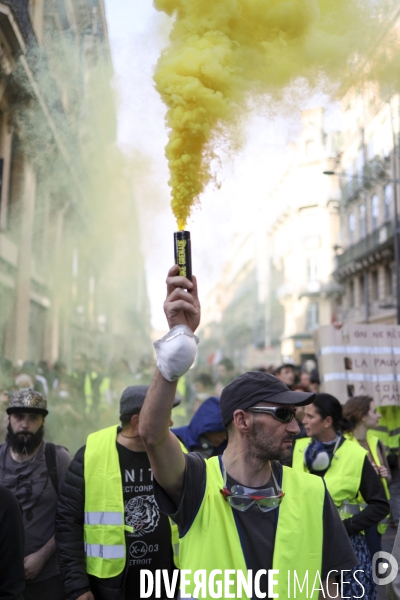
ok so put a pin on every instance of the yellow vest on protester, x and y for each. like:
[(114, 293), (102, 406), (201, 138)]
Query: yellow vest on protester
[(388, 428), (394, 427), (373, 441), (343, 478), (104, 388), (88, 391), (104, 523), (213, 541)]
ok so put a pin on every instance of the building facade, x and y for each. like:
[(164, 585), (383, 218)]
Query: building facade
[(233, 321), (59, 292), (367, 165), (302, 241)]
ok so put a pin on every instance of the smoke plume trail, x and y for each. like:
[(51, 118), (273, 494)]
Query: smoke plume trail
[(224, 52)]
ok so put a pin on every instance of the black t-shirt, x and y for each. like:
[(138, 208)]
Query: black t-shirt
[(149, 546), (257, 529)]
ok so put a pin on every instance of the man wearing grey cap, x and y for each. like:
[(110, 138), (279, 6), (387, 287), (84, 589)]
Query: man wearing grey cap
[(109, 526), (34, 470), (242, 512)]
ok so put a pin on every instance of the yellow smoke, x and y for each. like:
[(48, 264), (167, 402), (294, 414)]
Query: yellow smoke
[(223, 52)]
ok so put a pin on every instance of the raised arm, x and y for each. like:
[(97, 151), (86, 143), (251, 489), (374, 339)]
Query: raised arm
[(167, 461)]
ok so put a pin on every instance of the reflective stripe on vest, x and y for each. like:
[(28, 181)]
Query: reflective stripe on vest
[(298, 540), (105, 552), (103, 518), (343, 477), (104, 528), (351, 509)]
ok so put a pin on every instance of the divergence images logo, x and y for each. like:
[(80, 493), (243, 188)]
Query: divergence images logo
[(386, 560)]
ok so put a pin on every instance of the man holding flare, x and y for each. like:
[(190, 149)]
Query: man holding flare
[(242, 511)]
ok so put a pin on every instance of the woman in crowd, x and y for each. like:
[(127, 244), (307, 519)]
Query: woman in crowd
[(362, 417), (350, 479)]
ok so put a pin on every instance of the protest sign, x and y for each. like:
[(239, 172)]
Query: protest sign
[(360, 360)]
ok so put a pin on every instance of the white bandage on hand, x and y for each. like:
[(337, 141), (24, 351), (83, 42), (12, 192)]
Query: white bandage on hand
[(176, 352)]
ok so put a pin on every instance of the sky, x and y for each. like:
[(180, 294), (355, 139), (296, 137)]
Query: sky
[(138, 33)]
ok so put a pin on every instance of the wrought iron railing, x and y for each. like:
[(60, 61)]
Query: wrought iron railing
[(370, 243)]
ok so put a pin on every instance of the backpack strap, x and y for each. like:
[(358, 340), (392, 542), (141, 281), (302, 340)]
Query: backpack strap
[(51, 464)]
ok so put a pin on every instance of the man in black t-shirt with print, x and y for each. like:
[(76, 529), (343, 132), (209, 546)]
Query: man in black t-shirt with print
[(112, 458)]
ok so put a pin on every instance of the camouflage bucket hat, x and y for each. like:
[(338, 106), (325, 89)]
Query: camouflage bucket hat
[(27, 401)]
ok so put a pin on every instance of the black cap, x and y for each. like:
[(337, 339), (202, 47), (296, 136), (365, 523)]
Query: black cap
[(284, 366), (133, 398), (250, 388)]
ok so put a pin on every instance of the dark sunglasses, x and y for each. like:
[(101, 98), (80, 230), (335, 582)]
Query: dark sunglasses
[(280, 413)]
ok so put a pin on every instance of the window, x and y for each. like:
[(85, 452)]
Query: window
[(352, 227), (388, 281), (312, 316), (388, 192), (361, 290), (374, 212), (374, 286), (312, 270), (351, 293), (362, 221)]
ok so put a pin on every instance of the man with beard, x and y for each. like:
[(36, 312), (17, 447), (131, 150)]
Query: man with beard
[(226, 507), (34, 470)]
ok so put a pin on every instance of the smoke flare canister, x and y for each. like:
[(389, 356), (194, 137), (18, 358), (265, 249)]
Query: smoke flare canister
[(183, 253)]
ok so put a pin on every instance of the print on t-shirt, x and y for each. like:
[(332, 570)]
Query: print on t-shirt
[(149, 545), (142, 514)]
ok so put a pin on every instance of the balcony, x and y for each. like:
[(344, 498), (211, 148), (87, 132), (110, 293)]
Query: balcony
[(372, 172), (369, 248), (376, 169), (350, 189)]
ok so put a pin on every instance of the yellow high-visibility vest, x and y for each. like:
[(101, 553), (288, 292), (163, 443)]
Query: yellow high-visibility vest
[(213, 542), (373, 441), (104, 523), (343, 477)]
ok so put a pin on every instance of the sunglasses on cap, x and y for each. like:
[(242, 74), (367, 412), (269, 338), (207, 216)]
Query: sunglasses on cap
[(241, 498), (280, 413)]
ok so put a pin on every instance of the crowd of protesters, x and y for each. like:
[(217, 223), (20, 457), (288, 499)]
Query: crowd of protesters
[(81, 400), (89, 398)]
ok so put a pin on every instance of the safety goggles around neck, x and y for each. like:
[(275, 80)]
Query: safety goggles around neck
[(280, 413), (242, 498)]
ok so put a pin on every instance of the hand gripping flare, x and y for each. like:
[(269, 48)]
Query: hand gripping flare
[(176, 352)]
